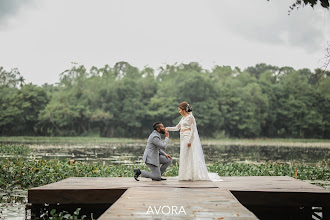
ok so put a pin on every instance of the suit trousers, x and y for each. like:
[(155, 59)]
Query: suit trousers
[(156, 171)]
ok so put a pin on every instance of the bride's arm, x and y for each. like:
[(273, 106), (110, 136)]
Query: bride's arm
[(192, 124), (176, 128)]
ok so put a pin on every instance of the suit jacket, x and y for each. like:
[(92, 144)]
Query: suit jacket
[(154, 148)]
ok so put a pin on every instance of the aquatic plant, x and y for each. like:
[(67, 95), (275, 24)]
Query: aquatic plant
[(321, 171), (14, 150), (54, 215), (23, 173)]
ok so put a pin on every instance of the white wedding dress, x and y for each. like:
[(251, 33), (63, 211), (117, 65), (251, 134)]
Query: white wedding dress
[(192, 163)]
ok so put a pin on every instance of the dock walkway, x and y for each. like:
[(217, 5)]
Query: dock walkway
[(250, 197)]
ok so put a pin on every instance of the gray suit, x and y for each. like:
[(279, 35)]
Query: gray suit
[(154, 156)]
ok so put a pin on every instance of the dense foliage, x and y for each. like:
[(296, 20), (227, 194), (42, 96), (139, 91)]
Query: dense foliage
[(301, 3), (22, 173), (312, 3), (123, 101)]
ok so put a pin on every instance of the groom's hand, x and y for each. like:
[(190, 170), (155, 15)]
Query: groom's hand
[(168, 156), (189, 144)]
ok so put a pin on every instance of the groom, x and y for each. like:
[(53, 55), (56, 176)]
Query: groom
[(154, 155)]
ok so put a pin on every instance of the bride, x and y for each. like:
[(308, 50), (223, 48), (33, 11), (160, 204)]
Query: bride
[(192, 163)]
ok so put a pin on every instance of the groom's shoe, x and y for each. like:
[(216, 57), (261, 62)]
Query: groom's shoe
[(137, 173), (158, 179)]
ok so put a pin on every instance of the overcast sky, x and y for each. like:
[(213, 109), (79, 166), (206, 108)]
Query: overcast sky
[(41, 37)]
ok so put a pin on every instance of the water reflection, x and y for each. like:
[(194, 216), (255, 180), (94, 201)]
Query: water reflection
[(132, 153), (12, 204)]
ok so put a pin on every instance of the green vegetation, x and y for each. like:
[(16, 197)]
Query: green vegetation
[(54, 215), (15, 150), (29, 173), (123, 101), (304, 172), (312, 3), (20, 173)]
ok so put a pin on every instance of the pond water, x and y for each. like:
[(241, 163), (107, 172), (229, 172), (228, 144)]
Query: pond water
[(12, 204), (132, 153)]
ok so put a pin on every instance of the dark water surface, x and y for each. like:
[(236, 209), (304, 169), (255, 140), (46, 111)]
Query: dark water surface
[(132, 153)]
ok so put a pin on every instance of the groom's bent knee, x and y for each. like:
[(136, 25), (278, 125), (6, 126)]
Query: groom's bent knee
[(165, 160), (169, 161)]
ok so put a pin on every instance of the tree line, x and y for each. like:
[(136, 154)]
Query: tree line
[(124, 101)]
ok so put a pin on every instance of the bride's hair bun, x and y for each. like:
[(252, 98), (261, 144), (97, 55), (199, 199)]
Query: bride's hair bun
[(189, 108), (185, 106)]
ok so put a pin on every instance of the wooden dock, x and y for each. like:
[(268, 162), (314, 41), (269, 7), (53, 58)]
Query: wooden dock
[(177, 203), (262, 197)]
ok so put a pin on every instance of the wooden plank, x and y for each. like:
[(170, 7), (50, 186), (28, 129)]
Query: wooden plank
[(75, 196), (267, 184), (282, 199), (243, 183), (120, 183), (177, 203), (84, 190), (275, 191)]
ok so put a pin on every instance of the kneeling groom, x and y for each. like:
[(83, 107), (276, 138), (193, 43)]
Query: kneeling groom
[(154, 155)]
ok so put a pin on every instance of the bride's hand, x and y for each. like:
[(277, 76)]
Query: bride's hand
[(189, 144), (168, 156), (166, 129)]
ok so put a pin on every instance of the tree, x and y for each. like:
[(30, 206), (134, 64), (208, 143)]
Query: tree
[(298, 112), (261, 68), (19, 109), (312, 3), (123, 101), (326, 57), (11, 79)]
